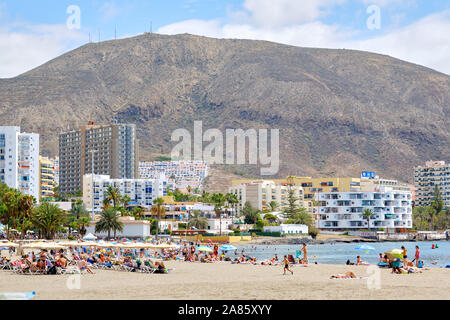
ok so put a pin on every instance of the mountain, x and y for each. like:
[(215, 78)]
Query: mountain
[(338, 111)]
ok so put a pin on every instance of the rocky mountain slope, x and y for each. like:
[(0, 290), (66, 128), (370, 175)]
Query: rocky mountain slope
[(338, 111)]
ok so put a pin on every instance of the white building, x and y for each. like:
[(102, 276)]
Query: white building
[(179, 173), (214, 225), (19, 160), (288, 229), (343, 210), (131, 229), (142, 192), (426, 178), (261, 193)]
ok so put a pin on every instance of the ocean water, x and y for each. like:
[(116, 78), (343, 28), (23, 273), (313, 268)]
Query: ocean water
[(339, 253)]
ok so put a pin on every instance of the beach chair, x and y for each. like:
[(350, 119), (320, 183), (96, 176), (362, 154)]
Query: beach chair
[(6, 266), (17, 269), (29, 270)]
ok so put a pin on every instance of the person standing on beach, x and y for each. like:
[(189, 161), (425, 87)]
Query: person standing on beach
[(286, 266), (305, 254), (417, 256), (405, 255)]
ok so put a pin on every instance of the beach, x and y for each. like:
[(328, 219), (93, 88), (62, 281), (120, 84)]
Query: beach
[(223, 281)]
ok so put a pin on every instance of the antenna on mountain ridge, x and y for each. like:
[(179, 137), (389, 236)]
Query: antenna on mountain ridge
[(115, 32), (151, 26)]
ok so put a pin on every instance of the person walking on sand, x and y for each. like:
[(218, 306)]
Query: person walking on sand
[(305, 253), (286, 266)]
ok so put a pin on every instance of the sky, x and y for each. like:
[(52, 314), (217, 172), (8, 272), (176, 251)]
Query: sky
[(418, 31)]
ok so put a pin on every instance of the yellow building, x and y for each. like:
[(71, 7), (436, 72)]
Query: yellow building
[(46, 178)]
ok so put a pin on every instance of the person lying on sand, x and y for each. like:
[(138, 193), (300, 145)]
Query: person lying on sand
[(347, 275)]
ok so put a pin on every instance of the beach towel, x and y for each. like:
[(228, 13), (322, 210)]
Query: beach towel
[(358, 278)]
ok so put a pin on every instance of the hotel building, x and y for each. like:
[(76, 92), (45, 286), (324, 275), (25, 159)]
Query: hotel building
[(46, 178), (142, 192), (426, 178), (115, 149), (180, 173), (19, 160), (338, 211)]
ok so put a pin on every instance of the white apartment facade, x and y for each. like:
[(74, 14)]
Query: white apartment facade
[(142, 192), (179, 173), (426, 178), (261, 193), (19, 160), (340, 211)]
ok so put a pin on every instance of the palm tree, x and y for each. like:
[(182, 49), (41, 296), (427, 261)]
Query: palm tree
[(78, 211), (301, 216), (231, 199), (205, 197), (219, 200), (11, 209), (159, 211), (113, 194), (197, 221), (48, 218), (126, 200), (25, 206), (109, 220), (273, 206), (138, 213), (367, 213)]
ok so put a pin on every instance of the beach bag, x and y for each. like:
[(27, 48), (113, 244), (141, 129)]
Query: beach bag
[(420, 264), (52, 270)]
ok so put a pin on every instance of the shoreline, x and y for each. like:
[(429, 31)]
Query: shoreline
[(310, 241)]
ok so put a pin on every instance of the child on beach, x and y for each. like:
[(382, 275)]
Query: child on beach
[(286, 266)]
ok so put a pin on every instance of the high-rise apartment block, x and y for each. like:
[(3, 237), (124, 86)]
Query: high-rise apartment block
[(426, 178), (47, 181), (104, 149), (19, 160)]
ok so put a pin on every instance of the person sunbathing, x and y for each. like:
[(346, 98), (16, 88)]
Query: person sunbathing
[(82, 265), (359, 262), (62, 262), (347, 275)]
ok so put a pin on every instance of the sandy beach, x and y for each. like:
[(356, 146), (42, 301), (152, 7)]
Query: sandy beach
[(220, 281)]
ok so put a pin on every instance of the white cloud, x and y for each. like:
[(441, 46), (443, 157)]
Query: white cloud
[(424, 42), (33, 46), (286, 12)]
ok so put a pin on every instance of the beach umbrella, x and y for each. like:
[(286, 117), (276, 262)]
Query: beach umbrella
[(90, 237), (365, 247), (70, 243), (88, 244), (8, 245), (394, 253), (165, 246), (227, 248), (204, 249)]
